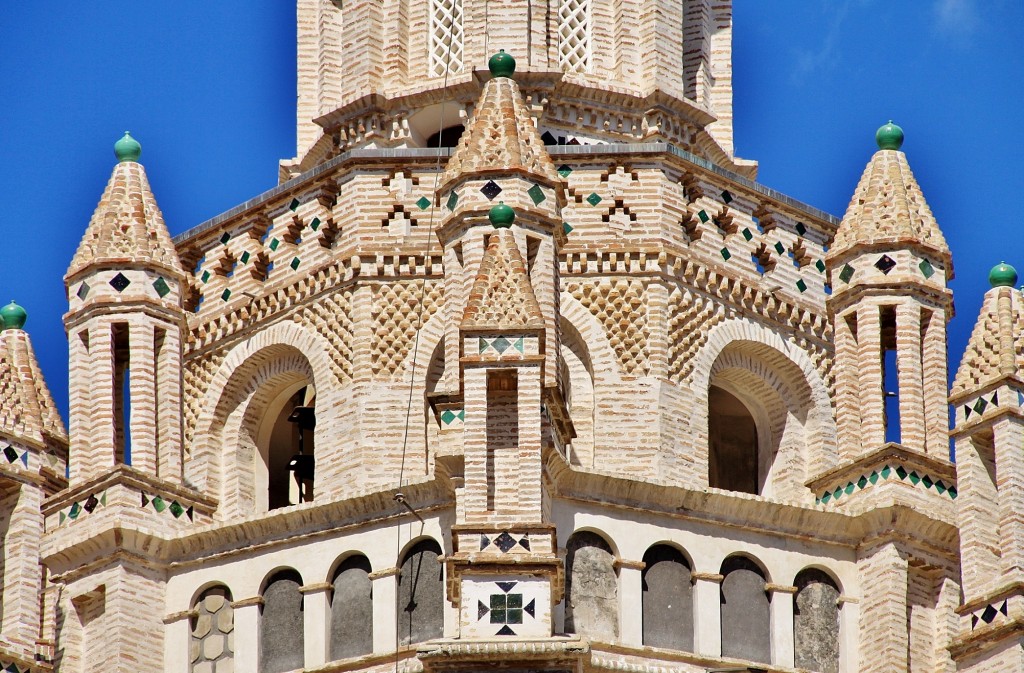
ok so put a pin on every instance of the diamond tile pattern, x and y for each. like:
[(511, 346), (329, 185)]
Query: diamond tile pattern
[(161, 287), (446, 37), (574, 35), (491, 190), (120, 282), (536, 194), (885, 264)]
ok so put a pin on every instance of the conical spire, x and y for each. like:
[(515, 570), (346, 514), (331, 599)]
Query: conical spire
[(127, 227), (996, 347), (502, 297), (500, 136), (27, 409), (887, 210)]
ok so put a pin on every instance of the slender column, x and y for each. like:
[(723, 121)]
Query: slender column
[(168, 386), (247, 633), (530, 475), (1009, 438), (933, 363), (385, 619), (631, 630), (782, 625), (79, 400), (143, 396), (316, 621), (707, 613), (21, 573), (908, 367), (847, 388), (869, 367), (978, 512)]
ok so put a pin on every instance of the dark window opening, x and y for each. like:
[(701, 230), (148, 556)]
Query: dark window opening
[(446, 137), (122, 394), (733, 446), (291, 463)]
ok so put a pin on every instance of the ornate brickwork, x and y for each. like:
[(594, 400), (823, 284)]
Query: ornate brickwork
[(690, 318), (197, 374), (399, 310), (620, 304), (332, 318)]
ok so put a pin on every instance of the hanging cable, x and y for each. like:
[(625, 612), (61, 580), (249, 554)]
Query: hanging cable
[(399, 497)]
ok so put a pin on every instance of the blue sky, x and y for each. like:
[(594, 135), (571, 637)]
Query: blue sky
[(209, 90)]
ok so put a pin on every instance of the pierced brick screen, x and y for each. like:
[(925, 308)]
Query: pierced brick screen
[(574, 35), (445, 36)]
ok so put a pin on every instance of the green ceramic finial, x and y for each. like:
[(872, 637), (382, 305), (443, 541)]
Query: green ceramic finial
[(13, 316), (502, 216), (502, 64), (1002, 275), (127, 148), (889, 137)]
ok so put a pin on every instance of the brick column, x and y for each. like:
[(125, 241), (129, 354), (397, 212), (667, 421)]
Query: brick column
[(169, 389), (908, 366), (707, 613), (933, 365), (143, 395), (177, 640), (869, 371), (847, 389), (530, 477), (1009, 457), (883, 618)]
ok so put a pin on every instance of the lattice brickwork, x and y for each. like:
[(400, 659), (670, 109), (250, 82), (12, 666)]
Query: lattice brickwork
[(396, 317), (198, 373), (574, 35), (690, 320), (620, 306), (445, 37), (331, 318)]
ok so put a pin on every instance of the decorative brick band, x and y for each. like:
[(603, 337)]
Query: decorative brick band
[(77, 509), (884, 475)]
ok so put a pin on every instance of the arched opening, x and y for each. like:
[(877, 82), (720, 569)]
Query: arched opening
[(579, 393), (733, 458), (282, 640), (816, 622), (212, 625), (421, 594), (746, 617), (286, 448), (352, 609), (591, 587), (667, 599), (446, 137), (765, 425)]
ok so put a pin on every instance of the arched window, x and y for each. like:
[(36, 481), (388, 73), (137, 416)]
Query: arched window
[(446, 137), (281, 624), (421, 594), (574, 35), (766, 427), (746, 621), (352, 609), (667, 599), (733, 459), (212, 623), (287, 448), (816, 622), (445, 37), (591, 587)]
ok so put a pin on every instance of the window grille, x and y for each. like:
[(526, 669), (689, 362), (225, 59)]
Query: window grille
[(574, 35), (445, 28)]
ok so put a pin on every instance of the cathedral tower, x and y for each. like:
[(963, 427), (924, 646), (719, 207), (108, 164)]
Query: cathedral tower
[(125, 325), (988, 403), (890, 265)]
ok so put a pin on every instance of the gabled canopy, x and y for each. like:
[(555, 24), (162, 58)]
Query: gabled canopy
[(502, 296), (127, 228), (889, 210), (27, 409), (500, 136), (996, 347)]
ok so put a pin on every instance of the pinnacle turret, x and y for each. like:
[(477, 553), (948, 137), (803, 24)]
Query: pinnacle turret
[(127, 229)]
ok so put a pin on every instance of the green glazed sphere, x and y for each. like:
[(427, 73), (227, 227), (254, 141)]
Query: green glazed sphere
[(889, 137), (502, 65), (502, 216), (127, 148), (1002, 275), (13, 316)]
